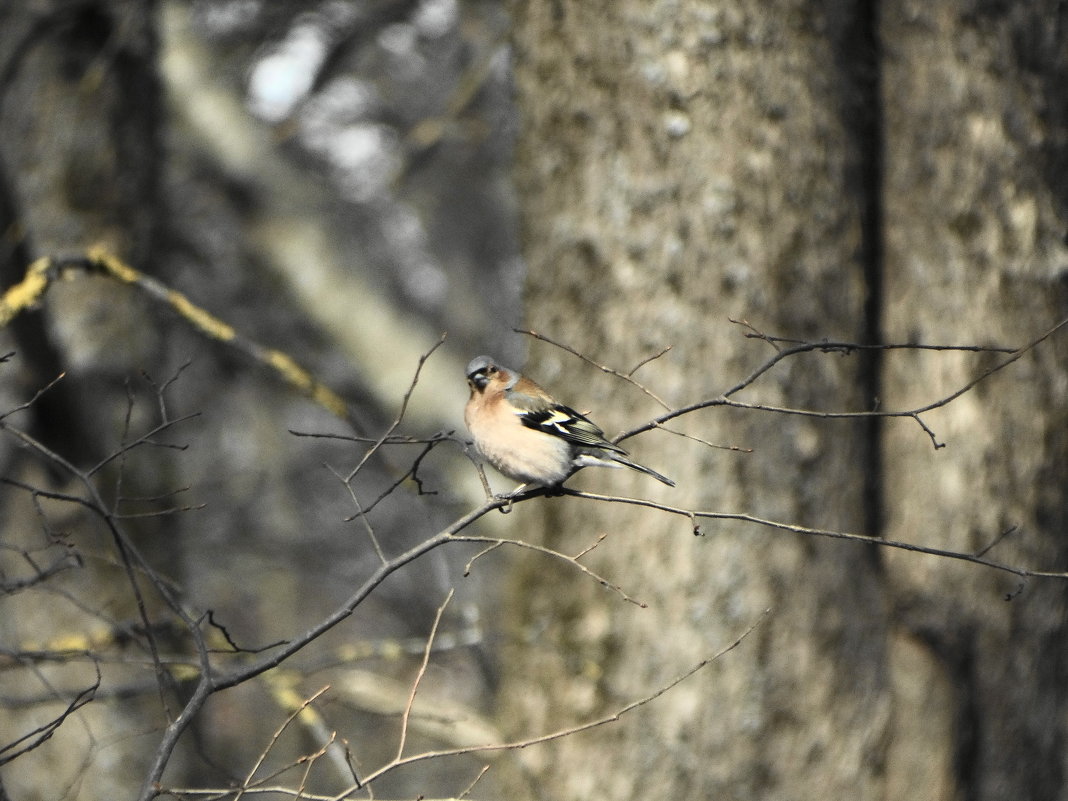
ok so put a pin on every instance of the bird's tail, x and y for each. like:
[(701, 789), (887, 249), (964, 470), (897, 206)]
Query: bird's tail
[(623, 460)]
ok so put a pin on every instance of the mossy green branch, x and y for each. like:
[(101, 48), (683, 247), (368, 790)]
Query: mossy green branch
[(42, 273)]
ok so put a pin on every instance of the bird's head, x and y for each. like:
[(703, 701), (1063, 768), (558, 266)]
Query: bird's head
[(480, 371)]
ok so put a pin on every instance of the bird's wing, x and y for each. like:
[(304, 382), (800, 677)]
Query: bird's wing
[(564, 422)]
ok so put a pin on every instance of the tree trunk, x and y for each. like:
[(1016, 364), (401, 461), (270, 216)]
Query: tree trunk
[(976, 186), (80, 159), (79, 166), (681, 165)]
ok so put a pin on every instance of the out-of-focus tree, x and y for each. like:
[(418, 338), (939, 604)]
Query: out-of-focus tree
[(718, 205), (342, 209), (883, 173)]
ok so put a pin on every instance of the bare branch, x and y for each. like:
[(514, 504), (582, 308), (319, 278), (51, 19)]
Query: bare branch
[(827, 346), (684, 435), (246, 665), (247, 783), (144, 439), (467, 790), (360, 514), (392, 765), (35, 738), (402, 740), (412, 472), (211, 682), (983, 551), (36, 396), (568, 731), (647, 359), (818, 532), (628, 377), (756, 333), (42, 273), (394, 439), (725, 399), (495, 543), (400, 414)]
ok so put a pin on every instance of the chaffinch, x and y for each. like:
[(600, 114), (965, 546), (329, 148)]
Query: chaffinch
[(528, 436)]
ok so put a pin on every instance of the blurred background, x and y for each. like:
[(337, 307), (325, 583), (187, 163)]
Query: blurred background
[(331, 179), (665, 186)]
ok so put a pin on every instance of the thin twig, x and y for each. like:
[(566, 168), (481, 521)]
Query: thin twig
[(32, 739), (68, 560), (983, 551), (756, 333), (309, 761), (725, 398), (393, 439), (628, 377), (144, 439), (571, 730), (361, 514), (406, 717), (131, 559), (412, 472), (134, 564), (467, 790), (36, 396), (273, 740), (647, 359), (378, 443), (819, 532), (496, 542), (736, 448), (600, 538)]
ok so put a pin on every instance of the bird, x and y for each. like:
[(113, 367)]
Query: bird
[(530, 437)]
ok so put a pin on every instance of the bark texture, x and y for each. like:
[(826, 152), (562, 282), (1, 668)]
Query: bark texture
[(80, 161), (975, 219), (680, 164)]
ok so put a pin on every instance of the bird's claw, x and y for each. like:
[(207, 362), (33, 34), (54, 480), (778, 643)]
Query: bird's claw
[(508, 498)]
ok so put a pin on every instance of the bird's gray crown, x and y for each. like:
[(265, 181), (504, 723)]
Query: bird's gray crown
[(478, 365)]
